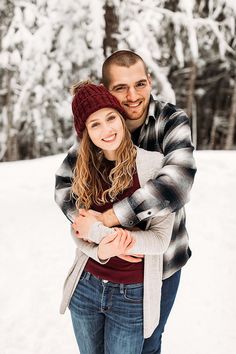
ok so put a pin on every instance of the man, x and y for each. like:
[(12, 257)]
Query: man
[(154, 126)]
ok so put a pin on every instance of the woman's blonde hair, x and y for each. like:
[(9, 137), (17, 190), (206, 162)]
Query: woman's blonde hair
[(91, 168)]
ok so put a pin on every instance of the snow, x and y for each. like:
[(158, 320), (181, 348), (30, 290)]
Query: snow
[(36, 252)]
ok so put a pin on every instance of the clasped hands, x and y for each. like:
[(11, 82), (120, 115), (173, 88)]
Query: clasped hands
[(118, 243)]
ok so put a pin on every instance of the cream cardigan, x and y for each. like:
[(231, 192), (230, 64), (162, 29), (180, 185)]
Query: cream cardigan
[(152, 243)]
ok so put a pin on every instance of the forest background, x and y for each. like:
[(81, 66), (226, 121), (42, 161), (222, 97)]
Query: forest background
[(46, 46)]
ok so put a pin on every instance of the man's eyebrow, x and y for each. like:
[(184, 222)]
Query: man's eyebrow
[(125, 85), (142, 80)]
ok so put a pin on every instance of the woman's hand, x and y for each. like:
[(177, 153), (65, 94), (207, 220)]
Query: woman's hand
[(115, 244), (135, 258)]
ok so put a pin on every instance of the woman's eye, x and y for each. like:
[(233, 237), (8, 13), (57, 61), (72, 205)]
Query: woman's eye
[(94, 125), (111, 118)]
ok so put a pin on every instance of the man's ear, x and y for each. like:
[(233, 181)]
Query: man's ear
[(149, 79)]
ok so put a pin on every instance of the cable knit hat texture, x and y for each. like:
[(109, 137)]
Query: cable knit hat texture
[(88, 99)]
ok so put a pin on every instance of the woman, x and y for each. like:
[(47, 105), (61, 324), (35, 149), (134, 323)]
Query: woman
[(114, 304)]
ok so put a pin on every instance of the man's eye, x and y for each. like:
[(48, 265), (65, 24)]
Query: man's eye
[(120, 89), (141, 84)]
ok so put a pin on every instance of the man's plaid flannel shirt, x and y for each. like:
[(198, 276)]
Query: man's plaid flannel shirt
[(166, 130)]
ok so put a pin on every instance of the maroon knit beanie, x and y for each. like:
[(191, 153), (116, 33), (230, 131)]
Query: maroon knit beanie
[(88, 99)]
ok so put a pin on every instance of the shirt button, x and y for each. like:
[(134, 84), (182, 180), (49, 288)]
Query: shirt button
[(131, 222), (149, 213)]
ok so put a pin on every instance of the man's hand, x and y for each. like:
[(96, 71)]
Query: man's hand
[(108, 218), (83, 223)]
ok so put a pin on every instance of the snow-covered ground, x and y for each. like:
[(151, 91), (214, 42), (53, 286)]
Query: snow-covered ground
[(36, 252)]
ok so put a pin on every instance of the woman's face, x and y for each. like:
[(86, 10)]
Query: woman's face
[(105, 129)]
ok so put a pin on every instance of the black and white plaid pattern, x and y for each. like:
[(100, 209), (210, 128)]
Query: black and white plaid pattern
[(166, 130)]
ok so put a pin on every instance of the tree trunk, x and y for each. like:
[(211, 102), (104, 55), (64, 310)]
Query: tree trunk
[(191, 106), (11, 151), (110, 43), (232, 122)]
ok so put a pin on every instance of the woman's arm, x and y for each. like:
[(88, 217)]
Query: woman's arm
[(109, 244), (114, 244), (88, 248), (155, 240)]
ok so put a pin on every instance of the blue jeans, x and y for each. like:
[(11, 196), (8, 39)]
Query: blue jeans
[(170, 285), (107, 317)]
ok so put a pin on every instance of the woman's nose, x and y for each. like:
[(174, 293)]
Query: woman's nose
[(107, 128)]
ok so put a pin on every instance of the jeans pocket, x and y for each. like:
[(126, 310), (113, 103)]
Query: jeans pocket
[(83, 276), (77, 292), (134, 295)]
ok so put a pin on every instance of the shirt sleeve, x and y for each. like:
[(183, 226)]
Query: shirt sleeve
[(170, 190), (64, 175)]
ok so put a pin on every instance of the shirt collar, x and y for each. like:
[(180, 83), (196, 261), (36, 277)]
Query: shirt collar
[(151, 109)]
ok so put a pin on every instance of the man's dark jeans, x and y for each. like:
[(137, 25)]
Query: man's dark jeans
[(170, 285)]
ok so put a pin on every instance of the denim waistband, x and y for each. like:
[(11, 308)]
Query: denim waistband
[(87, 276)]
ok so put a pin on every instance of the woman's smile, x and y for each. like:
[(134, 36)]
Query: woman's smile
[(110, 138)]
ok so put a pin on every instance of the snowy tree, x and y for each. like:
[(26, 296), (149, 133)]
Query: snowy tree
[(45, 46), (182, 41)]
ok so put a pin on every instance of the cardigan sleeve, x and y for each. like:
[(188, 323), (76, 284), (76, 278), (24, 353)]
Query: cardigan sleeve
[(90, 249), (153, 241), (170, 189), (156, 239)]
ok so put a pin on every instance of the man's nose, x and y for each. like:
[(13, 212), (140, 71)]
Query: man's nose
[(132, 94)]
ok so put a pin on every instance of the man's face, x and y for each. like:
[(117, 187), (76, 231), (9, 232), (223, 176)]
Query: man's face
[(132, 87)]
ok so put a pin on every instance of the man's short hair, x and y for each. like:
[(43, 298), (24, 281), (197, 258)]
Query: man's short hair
[(125, 58)]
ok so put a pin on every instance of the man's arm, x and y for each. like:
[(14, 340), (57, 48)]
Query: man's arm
[(64, 177), (169, 191)]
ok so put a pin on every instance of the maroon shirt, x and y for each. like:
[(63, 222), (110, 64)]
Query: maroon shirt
[(117, 270)]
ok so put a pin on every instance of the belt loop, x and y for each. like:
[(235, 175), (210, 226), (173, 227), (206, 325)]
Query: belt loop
[(122, 288), (87, 276)]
